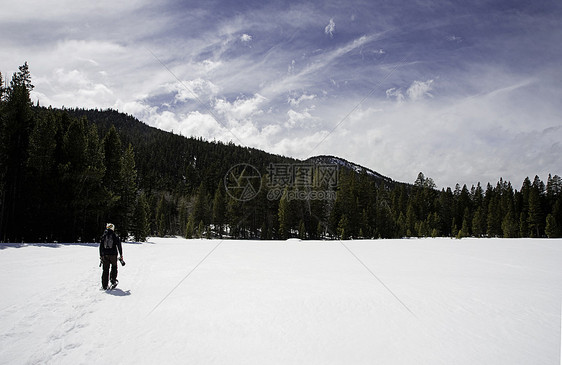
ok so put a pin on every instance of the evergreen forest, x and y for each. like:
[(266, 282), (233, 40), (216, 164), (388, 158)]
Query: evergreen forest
[(64, 173)]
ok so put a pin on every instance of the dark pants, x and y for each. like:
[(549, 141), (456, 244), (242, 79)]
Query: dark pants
[(109, 260)]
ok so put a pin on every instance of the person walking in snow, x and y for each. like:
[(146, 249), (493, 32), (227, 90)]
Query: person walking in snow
[(110, 246)]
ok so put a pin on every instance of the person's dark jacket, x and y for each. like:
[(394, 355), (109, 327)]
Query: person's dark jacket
[(115, 246)]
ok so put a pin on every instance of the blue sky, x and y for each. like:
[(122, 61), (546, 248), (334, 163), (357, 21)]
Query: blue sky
[(462, 91)]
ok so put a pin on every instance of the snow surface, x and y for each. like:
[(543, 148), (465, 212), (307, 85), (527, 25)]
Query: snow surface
[(444, 301)]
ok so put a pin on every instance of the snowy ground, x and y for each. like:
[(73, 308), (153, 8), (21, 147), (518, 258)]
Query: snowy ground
[(486, 301)]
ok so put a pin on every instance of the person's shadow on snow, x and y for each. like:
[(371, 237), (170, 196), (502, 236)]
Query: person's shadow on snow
[(118, 292)]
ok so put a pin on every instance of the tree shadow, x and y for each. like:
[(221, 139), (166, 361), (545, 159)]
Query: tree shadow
[(139, 243), (5, 245)]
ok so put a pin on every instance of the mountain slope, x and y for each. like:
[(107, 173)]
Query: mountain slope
[(171, 155), (168, 161), (350, 166)]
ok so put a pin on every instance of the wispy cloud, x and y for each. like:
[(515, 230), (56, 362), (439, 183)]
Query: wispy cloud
[(294, 101), (315, 64), (416, 91), (454, 38), (330, 28), (478, 89)]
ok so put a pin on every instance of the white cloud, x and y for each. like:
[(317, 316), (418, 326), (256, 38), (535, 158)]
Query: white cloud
[(240, 109), (330, 28), (298, 119), (293, 101), (291, 68), (209, 65), (245, 38), (29, 10), (395, 93), (71, 79), (453, 139), (301, 146), (197, 89), (201, 125), (416, 91), (454, 38), (72, 88), (419, 89), (166, 121), (422, 124), (136, 108)]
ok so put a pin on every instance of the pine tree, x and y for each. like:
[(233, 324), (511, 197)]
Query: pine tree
[(401, 225), (552, 230), (189, 229), (454, 229), (478, 223), (465, 229), (557, 214), (42, 144), (140, 226), (523, 225), (161, 217), (420, 180), (201, 229), (16, 125), (410, 221), (42, 176), (535, 217), (235, 217), (82, 171), (384, 217), (2, 91), (284, 216), (112, 178), (494, 217), (510, 227), (200, 211), (320, 231), (553, 190), (183, 215), (343, 228), (219, 211), (302, 230), (127, 191), (421, 229), (94, 192), (112, 153), (446, 202), (524, 209)]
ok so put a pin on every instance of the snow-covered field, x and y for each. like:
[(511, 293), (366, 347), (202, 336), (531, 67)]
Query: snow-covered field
[(427, 301)]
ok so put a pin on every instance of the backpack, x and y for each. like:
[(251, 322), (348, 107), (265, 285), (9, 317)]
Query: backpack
[(108, 240)]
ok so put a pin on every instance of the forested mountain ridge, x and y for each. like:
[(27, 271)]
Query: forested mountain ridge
[(65, 173), (326, 159), (167, 161)]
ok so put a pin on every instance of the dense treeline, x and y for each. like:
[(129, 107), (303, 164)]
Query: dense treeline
[(422, 211), (59, 179), (64, 173)]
